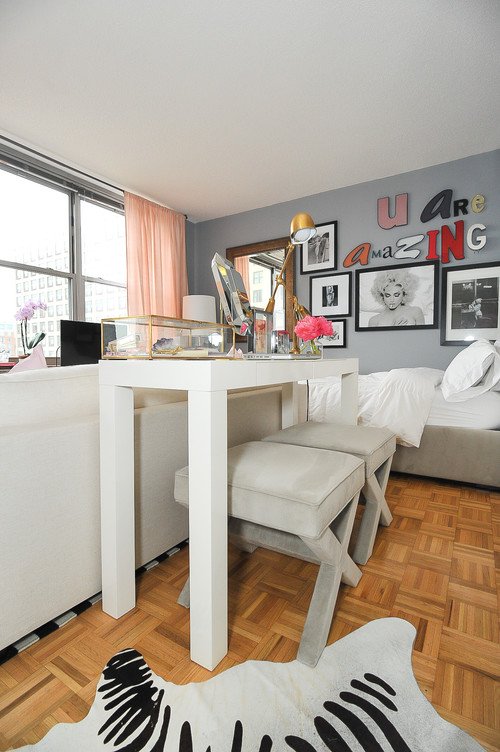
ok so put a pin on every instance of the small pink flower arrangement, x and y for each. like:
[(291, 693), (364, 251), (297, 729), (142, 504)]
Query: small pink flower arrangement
[(311, 327), (24, 314)]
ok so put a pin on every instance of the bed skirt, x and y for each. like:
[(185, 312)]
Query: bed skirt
[(461, 454)]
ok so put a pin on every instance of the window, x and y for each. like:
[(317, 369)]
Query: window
[(103, 243), (98, 307), (257, 296), (258, 277), (60, 235)]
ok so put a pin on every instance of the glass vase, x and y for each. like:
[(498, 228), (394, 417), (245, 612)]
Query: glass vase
[(311, 348)]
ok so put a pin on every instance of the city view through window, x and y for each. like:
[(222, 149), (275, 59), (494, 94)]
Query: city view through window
[(41, 259)]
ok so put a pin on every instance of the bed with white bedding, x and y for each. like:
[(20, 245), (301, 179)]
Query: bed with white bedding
[(447, 423)]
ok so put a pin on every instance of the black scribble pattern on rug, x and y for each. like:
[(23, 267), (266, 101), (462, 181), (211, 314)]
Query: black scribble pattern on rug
[(134, 705), (333, 738), (133, 701)]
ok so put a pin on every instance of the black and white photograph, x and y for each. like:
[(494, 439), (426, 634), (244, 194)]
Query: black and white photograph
[(330, 295), (397, 297), (320, 253), (470, 308), (339, 336)]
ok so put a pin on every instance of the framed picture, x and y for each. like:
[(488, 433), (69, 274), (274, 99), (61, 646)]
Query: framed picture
[(397, 297), (339, 336), (330, 295), (469, 304), (262, 328), (320, 253)]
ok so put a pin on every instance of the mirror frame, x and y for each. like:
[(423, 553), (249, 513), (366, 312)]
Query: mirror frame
[(272, 245)]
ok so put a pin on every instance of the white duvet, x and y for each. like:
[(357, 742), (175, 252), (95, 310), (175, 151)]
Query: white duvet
[(400, 399)]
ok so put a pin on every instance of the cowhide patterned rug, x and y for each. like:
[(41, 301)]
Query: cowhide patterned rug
[(362, 696)]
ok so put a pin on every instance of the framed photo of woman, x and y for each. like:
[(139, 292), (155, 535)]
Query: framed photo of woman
[(397, 297), (469, 304), (330, 295), (320, 253)]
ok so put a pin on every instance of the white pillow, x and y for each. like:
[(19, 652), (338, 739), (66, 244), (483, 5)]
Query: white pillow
[(496, 345), (475, 370)]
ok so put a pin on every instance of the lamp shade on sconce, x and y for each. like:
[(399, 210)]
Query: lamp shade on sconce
[(302, 228), (198, 308)]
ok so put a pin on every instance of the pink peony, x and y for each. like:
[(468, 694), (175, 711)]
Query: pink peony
[(311, 327), (325, 327)]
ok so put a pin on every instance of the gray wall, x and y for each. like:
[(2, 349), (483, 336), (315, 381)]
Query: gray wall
[(355, 208)]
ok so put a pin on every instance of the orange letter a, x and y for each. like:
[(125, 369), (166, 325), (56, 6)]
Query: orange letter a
[(358, 255)]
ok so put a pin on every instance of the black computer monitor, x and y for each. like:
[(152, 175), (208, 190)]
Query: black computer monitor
[(80, 342)]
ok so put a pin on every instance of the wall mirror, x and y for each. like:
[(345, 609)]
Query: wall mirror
[(259, 264)]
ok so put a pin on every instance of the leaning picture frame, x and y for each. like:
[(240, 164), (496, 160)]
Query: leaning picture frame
[(338, 338), (403, 296), (330, 295), (261, 331), (320, 252), (470, 306)]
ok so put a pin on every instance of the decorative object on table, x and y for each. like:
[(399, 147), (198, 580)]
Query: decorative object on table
[(32, 362), (199, 308), (338, 338), (231, 288), (330, 295), (260, 336), (153, 337), (280, 342), (469, 304), (362, 695), (319, 253), (302, 229), (233, 295), (397, 297), (310, 329), (25, 314)]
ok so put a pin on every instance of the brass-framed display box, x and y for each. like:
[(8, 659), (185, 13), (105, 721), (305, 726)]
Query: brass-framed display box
[(154, 337)]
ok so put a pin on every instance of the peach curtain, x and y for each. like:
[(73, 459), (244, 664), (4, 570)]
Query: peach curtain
[(156, 258), (241, 264)]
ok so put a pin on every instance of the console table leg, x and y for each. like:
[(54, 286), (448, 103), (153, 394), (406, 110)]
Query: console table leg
[(207, 423), (117, 499)]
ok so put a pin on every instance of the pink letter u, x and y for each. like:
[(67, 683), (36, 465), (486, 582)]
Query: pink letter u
[(400, 217)]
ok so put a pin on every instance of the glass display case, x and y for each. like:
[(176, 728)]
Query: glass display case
[(154, 337)]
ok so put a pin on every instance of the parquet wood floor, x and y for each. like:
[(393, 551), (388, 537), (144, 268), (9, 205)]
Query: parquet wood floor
[(437, 565)]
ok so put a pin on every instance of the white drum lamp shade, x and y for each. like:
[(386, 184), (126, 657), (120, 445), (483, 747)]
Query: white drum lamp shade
[(199, 308)]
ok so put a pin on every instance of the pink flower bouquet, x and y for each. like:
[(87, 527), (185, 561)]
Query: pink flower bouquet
[(311, 327)]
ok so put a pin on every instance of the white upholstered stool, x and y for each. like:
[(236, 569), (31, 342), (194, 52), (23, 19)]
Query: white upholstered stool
[(299, 501), (376, 446)]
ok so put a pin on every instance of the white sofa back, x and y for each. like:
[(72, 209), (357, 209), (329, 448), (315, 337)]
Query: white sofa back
[(49, 497), (33, 398)]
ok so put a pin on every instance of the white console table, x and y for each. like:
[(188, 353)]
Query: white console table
[(207, 383)]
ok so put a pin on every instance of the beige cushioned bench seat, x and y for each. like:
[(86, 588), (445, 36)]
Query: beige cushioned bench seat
[(297, 490), (375, 446), (299, 501)]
